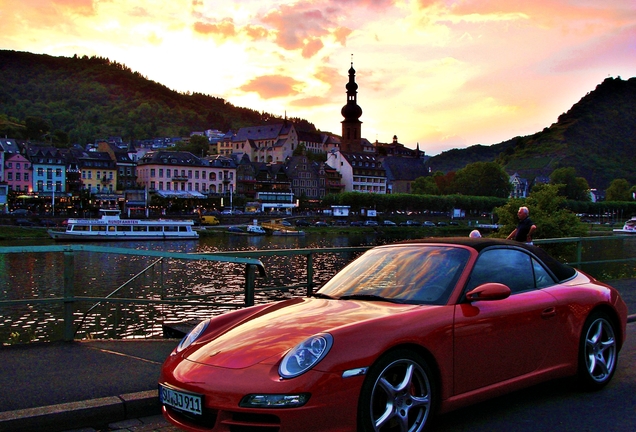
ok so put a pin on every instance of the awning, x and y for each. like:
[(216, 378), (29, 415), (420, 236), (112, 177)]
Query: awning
[(180, 194)]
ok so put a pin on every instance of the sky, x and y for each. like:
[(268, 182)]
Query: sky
[(440, 74)]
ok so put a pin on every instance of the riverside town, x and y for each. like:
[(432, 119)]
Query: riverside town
[(269, 169)]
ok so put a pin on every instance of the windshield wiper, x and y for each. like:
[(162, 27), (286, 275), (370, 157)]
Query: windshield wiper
[(370, 297)]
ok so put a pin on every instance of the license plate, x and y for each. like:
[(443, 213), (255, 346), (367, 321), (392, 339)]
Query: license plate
[(182, 401)]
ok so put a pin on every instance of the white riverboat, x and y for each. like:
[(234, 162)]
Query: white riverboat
[(628, 228), (111, 227)]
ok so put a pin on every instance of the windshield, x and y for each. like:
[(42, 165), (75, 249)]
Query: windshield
[(410, 274)]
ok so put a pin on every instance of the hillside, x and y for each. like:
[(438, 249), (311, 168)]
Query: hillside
[(77, 100), (597, 137)]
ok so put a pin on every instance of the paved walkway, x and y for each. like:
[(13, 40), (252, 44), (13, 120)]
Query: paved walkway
[(65, 386), (101, 385)]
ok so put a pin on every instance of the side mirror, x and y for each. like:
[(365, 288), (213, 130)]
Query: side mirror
[(489, 291)]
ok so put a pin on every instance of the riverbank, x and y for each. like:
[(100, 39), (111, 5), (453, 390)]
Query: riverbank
[(9, 232)]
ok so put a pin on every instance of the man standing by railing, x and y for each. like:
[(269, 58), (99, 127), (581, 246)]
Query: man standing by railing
[(525, 228)]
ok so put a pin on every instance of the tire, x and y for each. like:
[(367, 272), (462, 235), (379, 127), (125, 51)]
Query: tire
[(398, 394), (598, 352)]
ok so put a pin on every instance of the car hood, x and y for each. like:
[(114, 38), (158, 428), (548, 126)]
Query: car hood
[(269, 334)]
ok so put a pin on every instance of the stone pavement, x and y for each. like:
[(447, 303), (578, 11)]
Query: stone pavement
[(65, 386), (154, 423)]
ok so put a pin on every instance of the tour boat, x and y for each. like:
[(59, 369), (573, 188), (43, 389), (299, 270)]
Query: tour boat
[(111, 227), (628, 228)]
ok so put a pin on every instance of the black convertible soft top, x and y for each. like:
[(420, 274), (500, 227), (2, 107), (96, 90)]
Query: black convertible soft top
[(562, 271)]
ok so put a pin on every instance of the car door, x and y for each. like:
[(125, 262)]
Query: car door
[(498, 340)]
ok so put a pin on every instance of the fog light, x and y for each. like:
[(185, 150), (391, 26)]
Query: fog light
[(274, 400)]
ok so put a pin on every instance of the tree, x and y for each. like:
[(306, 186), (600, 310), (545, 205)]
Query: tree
[(546, 211), (37, 128), (425, 186), (571, 186), (199, 145), (618, 190), (483, 179)]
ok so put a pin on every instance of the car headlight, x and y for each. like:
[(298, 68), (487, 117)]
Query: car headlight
[(193, 335), (305, 355)]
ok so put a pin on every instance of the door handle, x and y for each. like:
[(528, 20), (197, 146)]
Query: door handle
[(548, 313)]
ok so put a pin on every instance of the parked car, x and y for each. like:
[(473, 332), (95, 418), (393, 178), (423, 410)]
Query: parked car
[(453, 223), (355, 223), (285, 223), (47, 223), (24, 222), (301, 222), (388, 223), (441, 223), (428, 224), (338, 361), (209, 220), (21, 212), (370, 223), (321, 224), (410, 223)]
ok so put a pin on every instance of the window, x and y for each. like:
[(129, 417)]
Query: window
[(510, 267), (541, 276)]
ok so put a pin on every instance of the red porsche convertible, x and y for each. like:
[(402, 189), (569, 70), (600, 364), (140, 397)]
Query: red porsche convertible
[(402, 333)]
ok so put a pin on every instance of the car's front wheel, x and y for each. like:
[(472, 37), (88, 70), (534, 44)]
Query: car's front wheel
[(398, 394), (598, 352)]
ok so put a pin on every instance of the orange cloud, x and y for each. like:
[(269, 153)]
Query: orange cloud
[(272, 86), (312, 47), (224, 28)]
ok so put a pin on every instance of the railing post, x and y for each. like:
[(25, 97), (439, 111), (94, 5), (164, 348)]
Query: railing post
[(69, 294), (250, 278), (579, 253), (310, 274)]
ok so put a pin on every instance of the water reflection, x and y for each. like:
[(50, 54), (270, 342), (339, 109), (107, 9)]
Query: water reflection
[(37, 276), (40, 276)]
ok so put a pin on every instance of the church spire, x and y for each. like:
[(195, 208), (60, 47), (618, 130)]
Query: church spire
[(351, 125)]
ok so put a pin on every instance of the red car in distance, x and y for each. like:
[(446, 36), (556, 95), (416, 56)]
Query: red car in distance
[(402, 333)]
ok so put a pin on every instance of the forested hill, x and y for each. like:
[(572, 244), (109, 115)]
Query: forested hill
[(597, 137), (80, 99)]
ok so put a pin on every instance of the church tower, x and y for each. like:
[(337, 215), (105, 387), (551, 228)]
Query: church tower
[(351, 125)]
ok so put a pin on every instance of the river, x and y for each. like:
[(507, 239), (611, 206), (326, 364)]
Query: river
[(24, 276)]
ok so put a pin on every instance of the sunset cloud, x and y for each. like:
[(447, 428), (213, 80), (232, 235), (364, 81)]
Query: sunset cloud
[(272, 86), (441, 73)]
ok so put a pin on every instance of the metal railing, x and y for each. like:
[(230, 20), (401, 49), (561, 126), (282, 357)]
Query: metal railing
[(251, 266), (249, 259)]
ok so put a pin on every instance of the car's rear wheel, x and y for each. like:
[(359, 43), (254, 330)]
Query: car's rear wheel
[(398, 394), (598, 352)]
